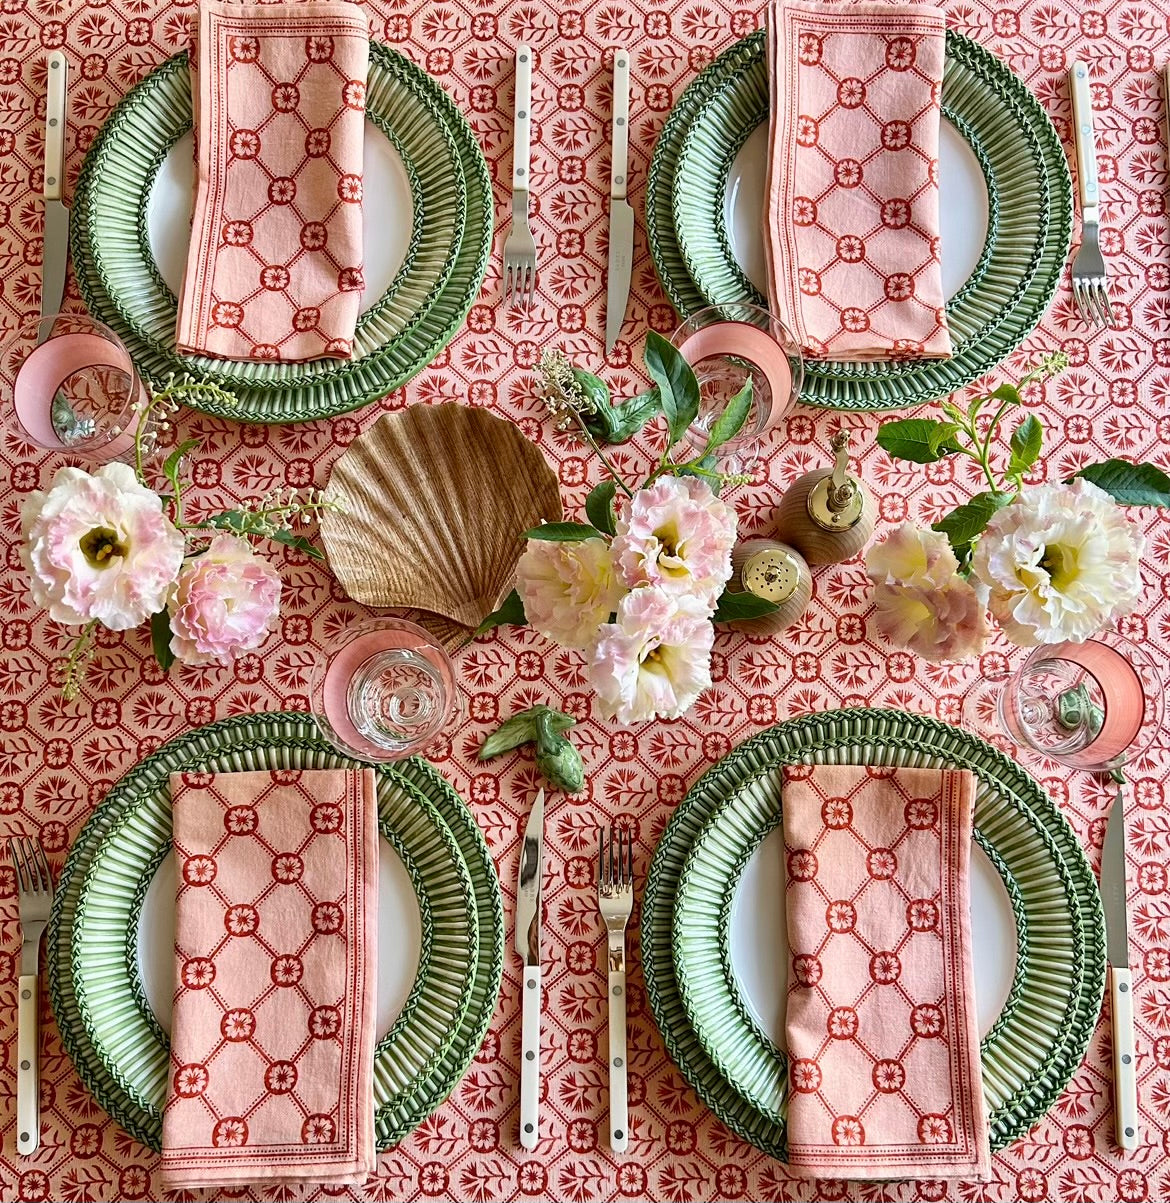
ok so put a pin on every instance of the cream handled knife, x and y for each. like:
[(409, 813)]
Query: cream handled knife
[(621, 216), (1113, 895), (528, 946), (56, 215)]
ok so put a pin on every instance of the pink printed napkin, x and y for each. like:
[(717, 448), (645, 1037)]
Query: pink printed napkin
[(274, 271), (883, 1046), (851, 220), (272, 1031)]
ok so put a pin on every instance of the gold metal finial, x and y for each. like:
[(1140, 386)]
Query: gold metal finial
[(836, 503)]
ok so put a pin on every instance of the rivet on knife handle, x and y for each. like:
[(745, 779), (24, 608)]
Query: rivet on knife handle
[(55, 125), (619, 170)]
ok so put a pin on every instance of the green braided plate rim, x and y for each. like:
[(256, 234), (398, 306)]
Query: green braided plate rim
[(417, 316), (889, 385), (989, 119), (112, 1003), (838, 736), (272, 741)]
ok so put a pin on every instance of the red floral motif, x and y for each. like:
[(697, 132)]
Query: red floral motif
[(848, 1130), (280, 1077), (885, 968), (882, 864), (841, 916), (285, 98), (807, 970), (287, 868), (804, 1075), (240, 820), (324, 1023), (888, 1076), (327, 918), (287, 970), (926, 1020), (921, 813), (922, 914), (326, 817), (198, 973), (190, 1080), (230, 1132), (241, 920), (318, 1130), (935, 1130), (237, 1024), (802, 865), (842, 1023), (199, 870)]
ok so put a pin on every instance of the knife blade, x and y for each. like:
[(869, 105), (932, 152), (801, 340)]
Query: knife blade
[(56, 242), (527, 936), (1113, 896), (621, 216)]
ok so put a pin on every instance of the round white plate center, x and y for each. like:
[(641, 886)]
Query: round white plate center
[(399, 939), (963, 208), (759, 938), (386, 213)]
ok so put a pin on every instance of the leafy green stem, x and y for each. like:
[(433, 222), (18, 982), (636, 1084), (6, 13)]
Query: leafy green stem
[(79, 655)]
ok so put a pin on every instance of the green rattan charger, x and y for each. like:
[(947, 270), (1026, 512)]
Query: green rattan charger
[(1030, 218), (1044, 1028), (107, 1026), (396, 337)]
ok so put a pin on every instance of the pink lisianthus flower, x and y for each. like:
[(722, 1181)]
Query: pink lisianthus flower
[(568, 589), (655, 660), (921, 601), (225, 602), (99, 547), (677, 536)]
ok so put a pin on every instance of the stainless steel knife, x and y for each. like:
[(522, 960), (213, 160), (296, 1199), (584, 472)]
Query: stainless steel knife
[(56, 215), (621, 216), (1113, 895), (528, 946)]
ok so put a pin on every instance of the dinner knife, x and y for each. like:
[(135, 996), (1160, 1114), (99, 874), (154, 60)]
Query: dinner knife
[(528, 946), (56, 215), (621, 216), (1113, 895)]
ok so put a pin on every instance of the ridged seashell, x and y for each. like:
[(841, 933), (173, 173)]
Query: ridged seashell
[(434, 500)]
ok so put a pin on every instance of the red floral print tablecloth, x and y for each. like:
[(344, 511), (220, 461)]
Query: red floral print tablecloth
[(57, 759)]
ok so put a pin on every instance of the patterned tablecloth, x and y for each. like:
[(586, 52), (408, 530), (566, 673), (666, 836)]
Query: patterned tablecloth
[(58, 758)]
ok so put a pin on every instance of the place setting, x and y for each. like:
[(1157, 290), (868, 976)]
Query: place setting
[(672, 838)]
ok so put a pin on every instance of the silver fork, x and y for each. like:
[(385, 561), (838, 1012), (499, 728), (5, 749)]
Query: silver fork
[(34, 891), (519, 280), (1090, 281), (615, 901)]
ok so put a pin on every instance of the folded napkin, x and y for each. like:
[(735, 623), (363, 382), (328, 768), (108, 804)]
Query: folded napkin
[(851, 220), (272, 1031), (883, 1047), (274, 269)]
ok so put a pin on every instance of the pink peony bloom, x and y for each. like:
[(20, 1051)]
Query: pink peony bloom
[(655, 660), (99, 547), (921, 601), (1061, 561), (677, 536), (225, 602), (568, 589)]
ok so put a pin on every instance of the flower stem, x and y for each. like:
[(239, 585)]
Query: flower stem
[(588, 435), (79, 655)]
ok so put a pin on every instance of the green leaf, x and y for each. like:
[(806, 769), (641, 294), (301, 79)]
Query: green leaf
[(1026, 441), (1008, 393), (678, 386), (172, 462), (599, 506), (233, 520), (160, 639), (969, 521), (562, 532), (920, 440), (298, 541), (1129, 484), (510, 613), (736, 607), (730, 421), (532, 724)]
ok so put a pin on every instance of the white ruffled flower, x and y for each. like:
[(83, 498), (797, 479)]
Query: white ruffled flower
[(568, 589), (1060, 562)]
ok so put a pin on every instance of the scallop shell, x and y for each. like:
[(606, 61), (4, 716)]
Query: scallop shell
[(433, 503)]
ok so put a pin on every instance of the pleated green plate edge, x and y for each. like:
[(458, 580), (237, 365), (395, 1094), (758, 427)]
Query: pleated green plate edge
[(822, 389), (801, 736), (355, 382), (391, 1124), (140, 840), (1012, 1048)]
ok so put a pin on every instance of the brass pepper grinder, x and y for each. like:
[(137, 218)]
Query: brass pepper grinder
[(827, 515), (775, 572)]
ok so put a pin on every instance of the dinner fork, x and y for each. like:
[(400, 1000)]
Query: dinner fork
[(34, 891), (615, 901), (519, 282), (1090, 281)]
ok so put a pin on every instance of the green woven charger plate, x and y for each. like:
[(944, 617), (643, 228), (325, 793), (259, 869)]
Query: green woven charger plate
[(106, 1024), (1042, 1033), (1029, 226), (396, 337)]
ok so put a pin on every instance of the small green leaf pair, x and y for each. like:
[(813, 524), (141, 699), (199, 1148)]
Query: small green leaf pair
[(556, 757)]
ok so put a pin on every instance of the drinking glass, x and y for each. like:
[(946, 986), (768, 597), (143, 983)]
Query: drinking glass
[(728, 345), (1094, 705), (384, 690), (67, 384)]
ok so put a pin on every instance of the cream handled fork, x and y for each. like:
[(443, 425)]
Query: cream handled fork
[(1090, 283), (519, 281), (34, 890), (615, 901)]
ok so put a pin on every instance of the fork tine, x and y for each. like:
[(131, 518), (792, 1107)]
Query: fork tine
[(630, 858), (43, 871), (1103, 300), (531, 285), (600, 857), (1097, 296), (508, 283), (1082, 308), (14, 855)]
